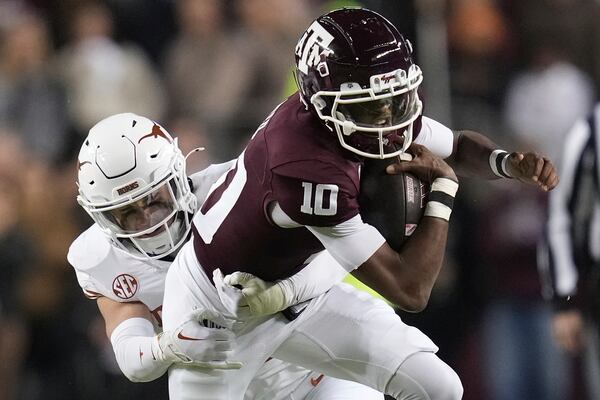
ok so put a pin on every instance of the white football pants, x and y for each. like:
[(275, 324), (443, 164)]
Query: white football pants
[(344, 333)]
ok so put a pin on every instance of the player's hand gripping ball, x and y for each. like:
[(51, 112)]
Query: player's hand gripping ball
[(394, 204)]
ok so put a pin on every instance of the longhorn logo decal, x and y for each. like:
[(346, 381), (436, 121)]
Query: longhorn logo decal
[(156, 132)]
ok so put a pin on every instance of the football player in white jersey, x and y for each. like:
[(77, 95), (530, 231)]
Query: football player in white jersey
[(136, 189)]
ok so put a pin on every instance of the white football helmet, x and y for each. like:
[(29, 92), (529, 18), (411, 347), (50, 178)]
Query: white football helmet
[(132, 182)]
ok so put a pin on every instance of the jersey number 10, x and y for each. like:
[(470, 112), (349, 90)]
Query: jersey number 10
[(314, 201)]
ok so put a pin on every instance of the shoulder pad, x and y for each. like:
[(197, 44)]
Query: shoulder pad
[(202, 181), (89, 250)]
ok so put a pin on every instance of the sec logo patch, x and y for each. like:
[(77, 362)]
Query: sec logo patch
[(125, 286)]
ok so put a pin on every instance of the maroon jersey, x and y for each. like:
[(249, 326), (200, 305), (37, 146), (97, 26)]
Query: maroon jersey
[(293, 160)]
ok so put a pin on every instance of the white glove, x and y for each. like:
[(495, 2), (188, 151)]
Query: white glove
[(261, 298), (204, 340)]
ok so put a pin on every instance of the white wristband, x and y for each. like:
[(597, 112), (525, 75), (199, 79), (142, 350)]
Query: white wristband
[(438, 210), (441, 198), (445, 185), (497, 161), (503, 169)]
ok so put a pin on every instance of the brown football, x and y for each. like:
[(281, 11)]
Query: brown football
[(394, 204)]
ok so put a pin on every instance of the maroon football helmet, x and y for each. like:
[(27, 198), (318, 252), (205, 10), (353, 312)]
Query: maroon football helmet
[(355, 69)]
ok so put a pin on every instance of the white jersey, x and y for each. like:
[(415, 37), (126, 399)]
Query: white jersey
[(104, 270)]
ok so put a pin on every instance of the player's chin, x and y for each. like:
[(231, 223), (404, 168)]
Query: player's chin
[(369, 142), (160, 229)]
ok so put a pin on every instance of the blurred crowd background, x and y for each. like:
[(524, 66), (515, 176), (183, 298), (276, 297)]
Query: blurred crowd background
[(209, 71)]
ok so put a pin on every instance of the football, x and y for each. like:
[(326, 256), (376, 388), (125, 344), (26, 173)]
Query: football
[(394, 204)]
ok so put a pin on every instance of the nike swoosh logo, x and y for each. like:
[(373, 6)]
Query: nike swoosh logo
[(315, 381), (183, 337)]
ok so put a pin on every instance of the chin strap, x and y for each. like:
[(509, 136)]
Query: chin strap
[(154, 245)]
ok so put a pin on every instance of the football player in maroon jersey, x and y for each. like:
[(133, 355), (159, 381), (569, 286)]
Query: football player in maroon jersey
[(293, 192)]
